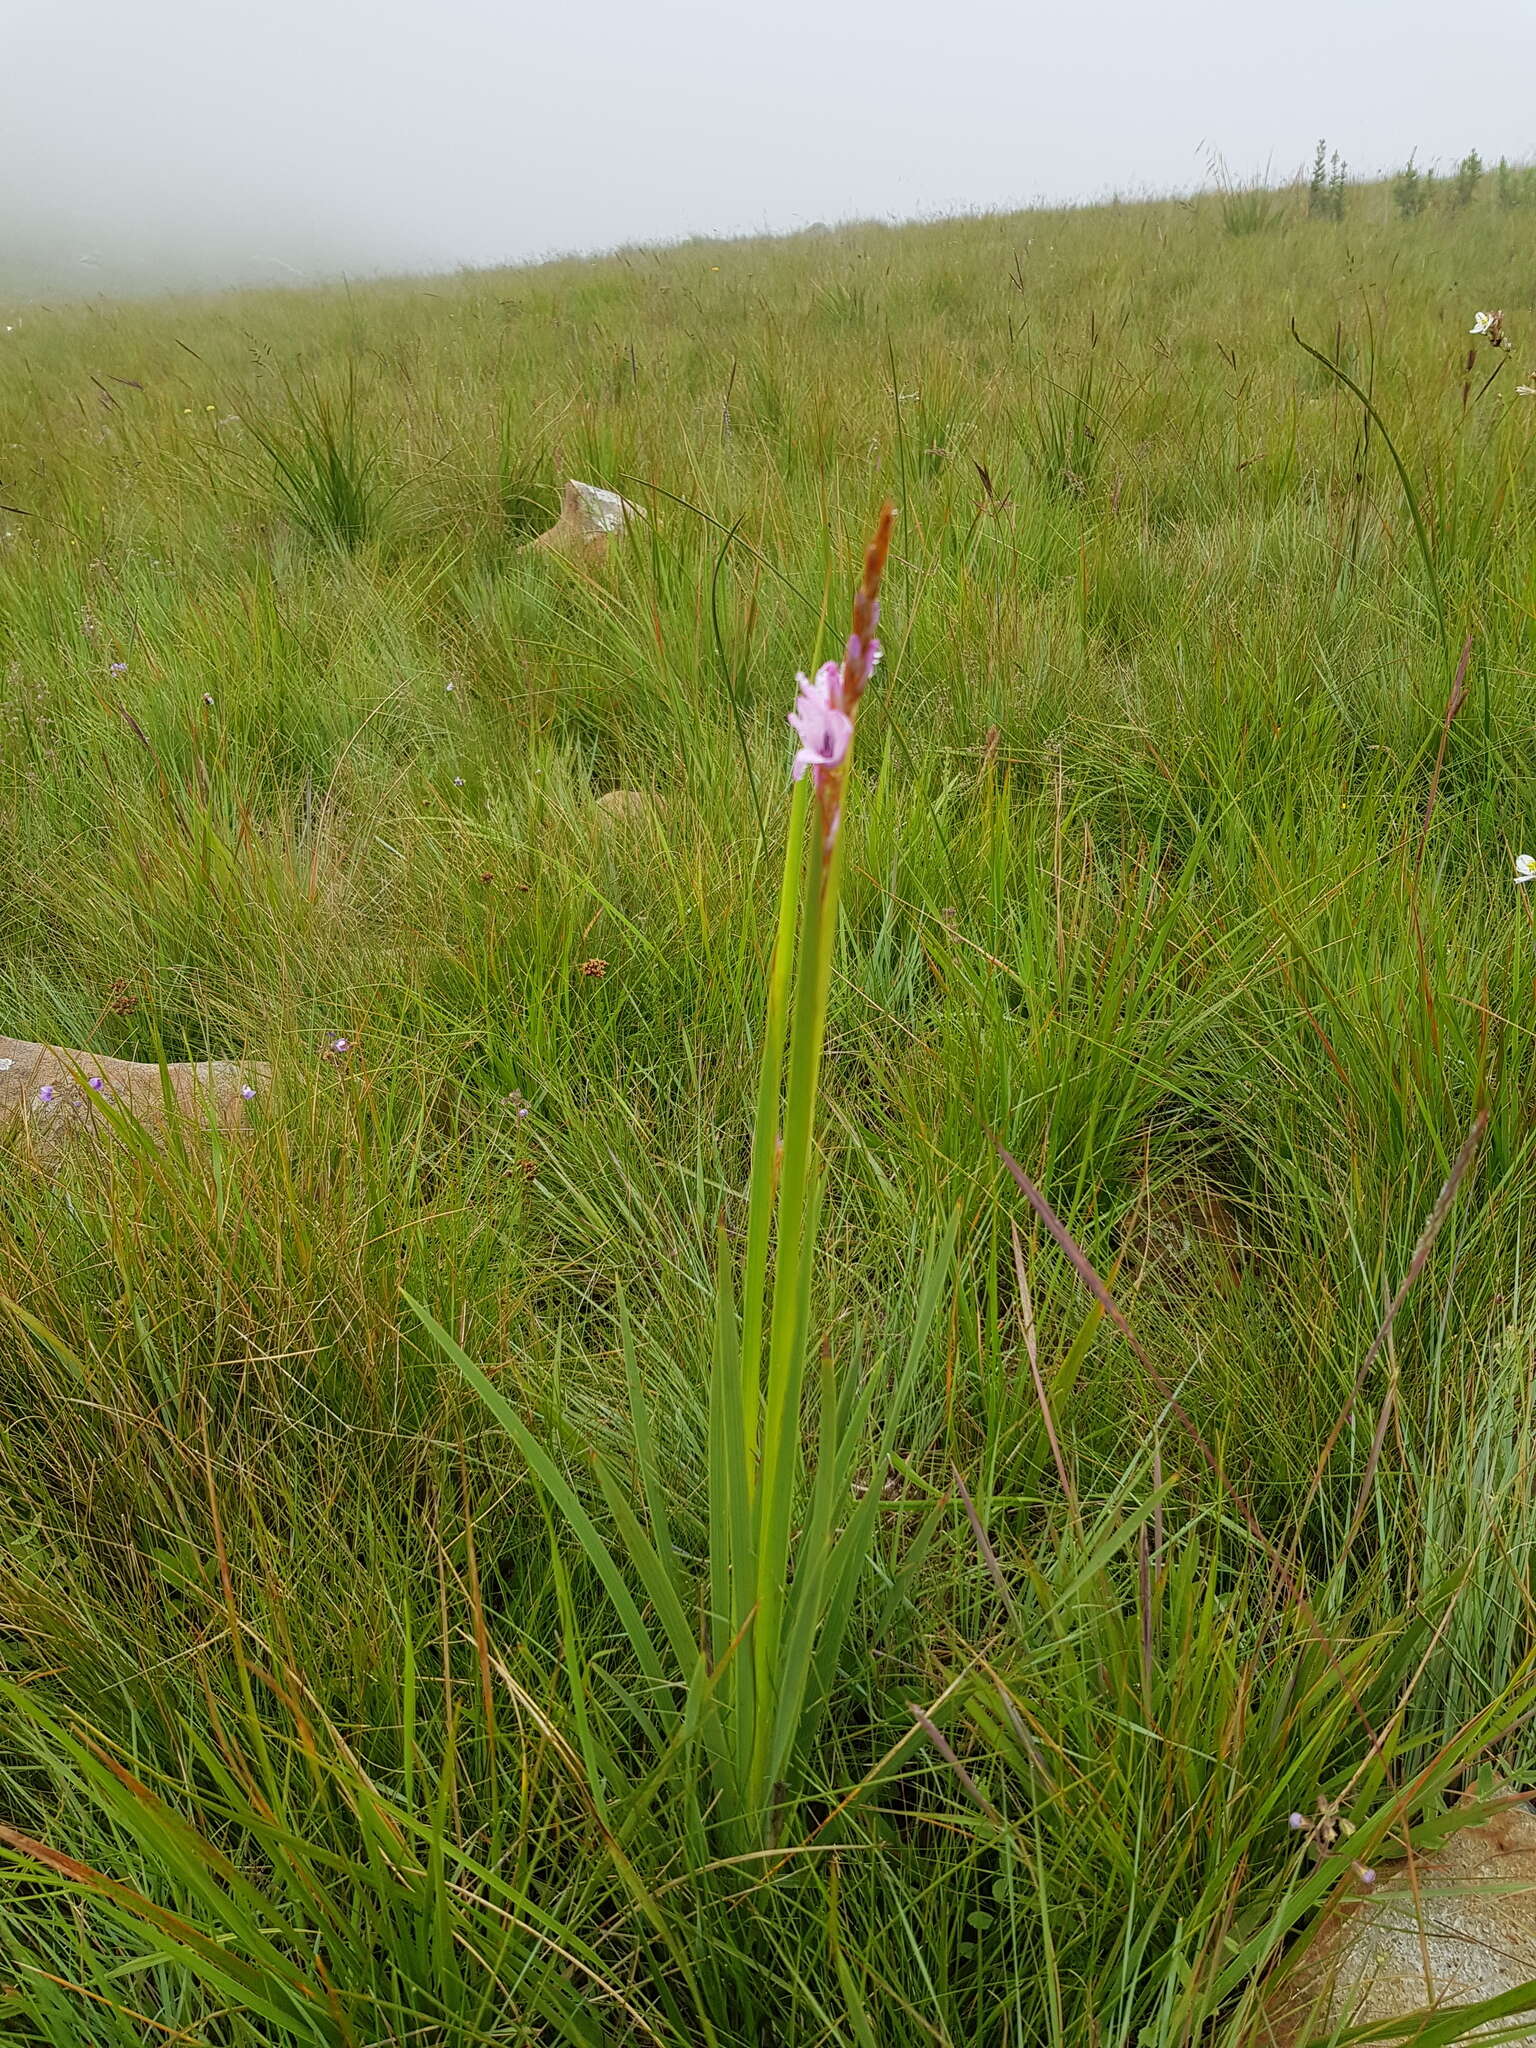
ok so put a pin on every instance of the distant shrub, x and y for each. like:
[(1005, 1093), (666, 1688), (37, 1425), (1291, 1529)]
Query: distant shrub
[(1411, 190), (1317, 186), (1336, 186), (1513, 185), (1325, 189), (1466, 178)]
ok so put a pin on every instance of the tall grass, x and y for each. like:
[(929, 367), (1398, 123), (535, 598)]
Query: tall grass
[(465, 1678), (1248, 206), (324, 464)]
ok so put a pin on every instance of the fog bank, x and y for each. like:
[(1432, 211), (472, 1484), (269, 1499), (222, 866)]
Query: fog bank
[(182, 141)]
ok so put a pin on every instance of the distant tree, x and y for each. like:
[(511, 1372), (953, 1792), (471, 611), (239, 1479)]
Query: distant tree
[(1325, 188), (1410, 191), (1465, 182), (1514, 185), (1317, 188)]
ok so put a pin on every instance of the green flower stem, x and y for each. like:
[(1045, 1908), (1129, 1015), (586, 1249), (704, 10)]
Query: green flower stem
[(765, 1136), (782, 1449)]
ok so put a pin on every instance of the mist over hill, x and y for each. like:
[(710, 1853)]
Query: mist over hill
[(71, 252), (182, 144)]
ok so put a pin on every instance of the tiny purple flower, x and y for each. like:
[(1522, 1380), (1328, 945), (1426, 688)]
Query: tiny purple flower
[(248, 1093), (341, 1045), (119, 668), (1367, 1876), (1297, 1820), (96, 1083), (45, 1093), (825, 730)]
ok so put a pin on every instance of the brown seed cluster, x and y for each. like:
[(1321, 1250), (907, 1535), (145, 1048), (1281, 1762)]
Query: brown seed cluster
[(594, 969)]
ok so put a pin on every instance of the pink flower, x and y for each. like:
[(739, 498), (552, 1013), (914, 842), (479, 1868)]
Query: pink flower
[(825, 729)]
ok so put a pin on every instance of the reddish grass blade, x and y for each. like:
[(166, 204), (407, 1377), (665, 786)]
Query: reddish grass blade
[(1101, 1294)]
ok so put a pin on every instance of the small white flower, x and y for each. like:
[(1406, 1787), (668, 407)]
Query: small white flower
[(1525, 391), (1491, 324), (1525, 867)]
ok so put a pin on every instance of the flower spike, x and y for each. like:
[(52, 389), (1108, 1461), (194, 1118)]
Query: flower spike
[(825, 709)]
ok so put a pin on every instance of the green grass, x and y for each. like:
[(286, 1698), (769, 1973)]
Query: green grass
[(1161, 870)]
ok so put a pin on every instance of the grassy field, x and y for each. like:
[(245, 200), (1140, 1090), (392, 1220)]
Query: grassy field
[(330, 1711)]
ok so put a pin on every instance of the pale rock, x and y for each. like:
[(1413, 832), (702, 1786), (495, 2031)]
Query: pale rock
[(627, 806), (1457, 1926), (589, 519), (132, 1091)]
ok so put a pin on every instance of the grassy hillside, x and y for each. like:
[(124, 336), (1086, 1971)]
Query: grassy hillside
[(1163, 868)]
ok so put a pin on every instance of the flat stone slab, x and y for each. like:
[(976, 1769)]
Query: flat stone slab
[(54, 1095), (1457, 1926)]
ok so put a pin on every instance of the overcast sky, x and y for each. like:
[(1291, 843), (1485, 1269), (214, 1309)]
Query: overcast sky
[(251, 138)]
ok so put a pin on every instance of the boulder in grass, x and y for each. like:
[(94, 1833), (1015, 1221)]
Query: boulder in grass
[(1456, 1926), (627, 807), (54, 1097), (589, 519)]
